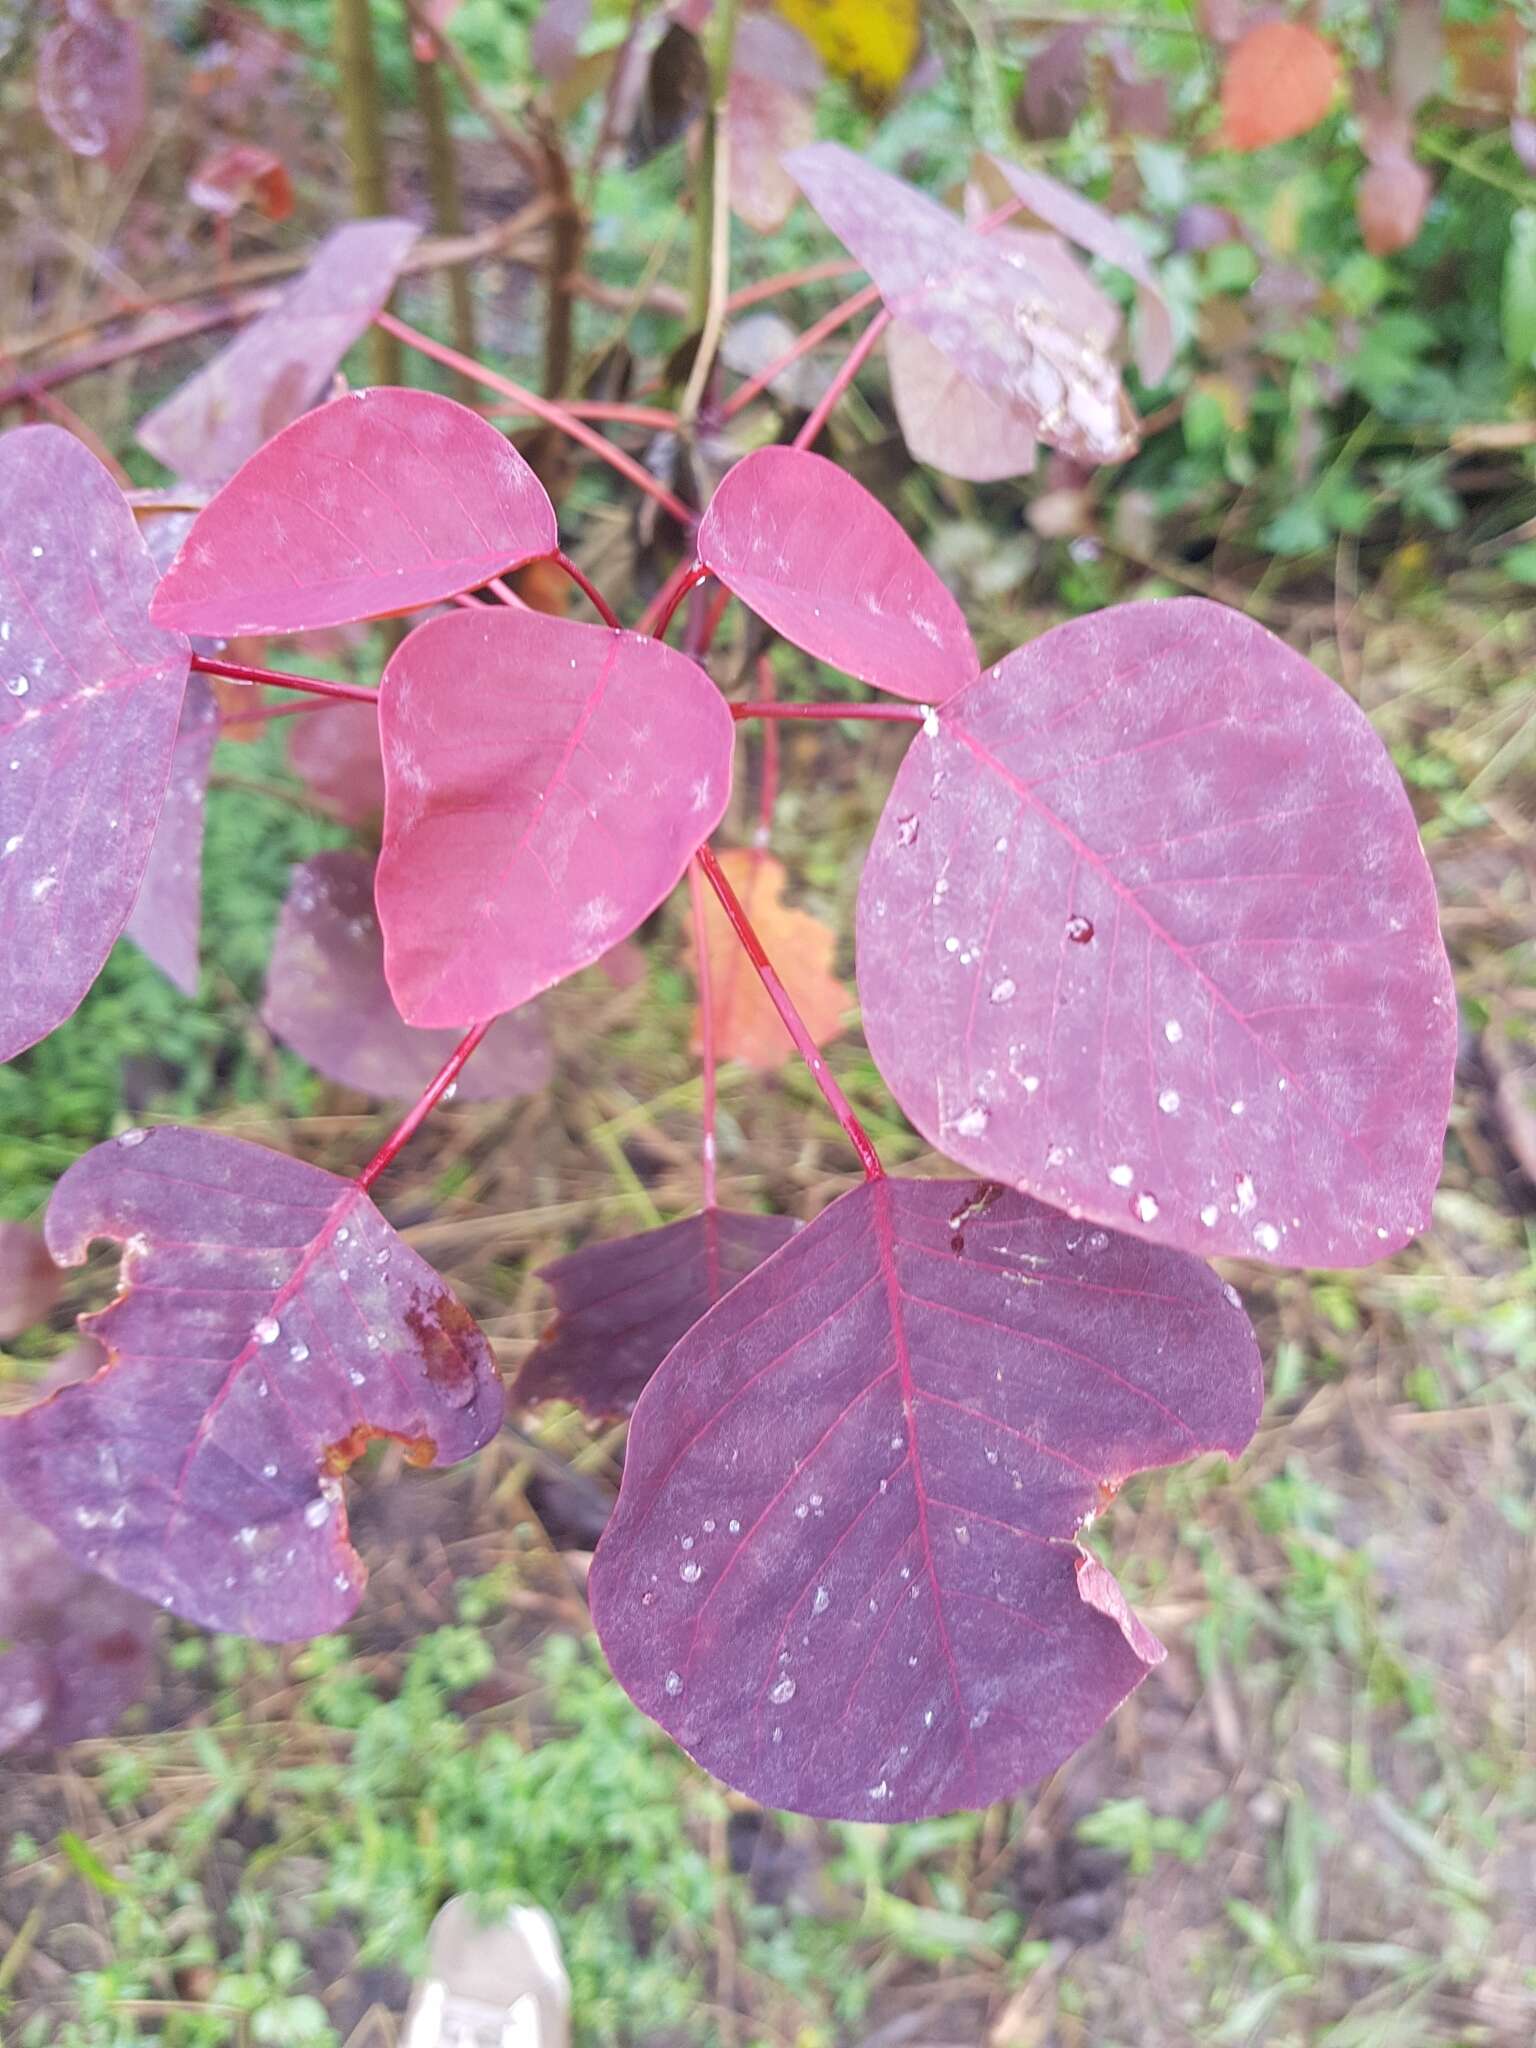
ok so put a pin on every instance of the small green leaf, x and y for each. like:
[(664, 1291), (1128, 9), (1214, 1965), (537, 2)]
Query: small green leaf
[(79, 1853), (1518, 301)]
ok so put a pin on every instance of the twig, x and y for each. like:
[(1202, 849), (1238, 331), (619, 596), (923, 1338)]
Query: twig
[(447, 193), (358, 89)]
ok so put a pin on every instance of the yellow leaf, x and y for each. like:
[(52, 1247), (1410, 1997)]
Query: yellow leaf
[(801, 947), (871, 43)]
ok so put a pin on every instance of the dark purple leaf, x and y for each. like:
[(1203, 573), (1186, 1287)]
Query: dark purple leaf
[(621, 1306), (1091, 228), (90, 695), (844, 1571), (980, 300), (167, 916), (1055, 89), (90, 81), (29, 1280), (826, 565), (335, 753), (1147, 930), (328, 1001), (281, 363), (270, 1324), (75, 1652), (383, 501), (676, 89), (548, 785)]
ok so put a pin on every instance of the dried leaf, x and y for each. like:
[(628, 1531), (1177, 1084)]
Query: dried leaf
[(872, 44), (1280, 81), (802, 948)]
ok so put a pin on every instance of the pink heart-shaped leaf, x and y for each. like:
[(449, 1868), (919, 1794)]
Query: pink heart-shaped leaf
[(1146, 929), (984, 301), (270, 1324), (382, 501), (327, 999), (90, 696), (843, 1571), (809, 550), (547, 784), (621, 1306), (279, 365), (167, 917)]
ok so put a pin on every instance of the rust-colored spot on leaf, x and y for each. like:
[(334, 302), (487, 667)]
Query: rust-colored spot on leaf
[(342, 1455), (449, 1341)]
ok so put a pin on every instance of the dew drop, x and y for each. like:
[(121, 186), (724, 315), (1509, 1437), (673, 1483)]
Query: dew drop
[(687, 1543), (1145, 1207), (298, 1353), (690, 1572), (907, 830), (782, 1693), (674, 1683), (269, 1471), (1266, 1237), (880, 1791), (318, 1513), (734, 1526), (1168, 1102), (1173, 1031), (1122, 1175), (131, 1138), (1079, 929), (18, 686), (822, 1601), (709, 1525), (267, 1331), (358, 1379), (1209, 1214), (1238, 1108), (962, 1533), (930, 722), (1231, 1294), (1247, 1197), (972, 1121), (1005, 990)]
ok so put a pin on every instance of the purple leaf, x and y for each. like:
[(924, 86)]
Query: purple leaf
[(1056, 85), (328, 1001), (1147, 930), (90, 81), (75, 1652), (812, 553), (547, 784), (29, 1281), (980, 299), (382, 501), (335, 754), (621, 1306), (281, 363), (1091, 228), (90, 695), (270, 1324), (843, 1571), (167, 916)]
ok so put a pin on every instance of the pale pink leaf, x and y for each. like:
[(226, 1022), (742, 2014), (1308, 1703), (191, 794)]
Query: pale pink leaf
[(547, 785), (981, 300), (382, 501), (1091, 228), (90, 81), (812, 553), (948, 422), (335, 754)]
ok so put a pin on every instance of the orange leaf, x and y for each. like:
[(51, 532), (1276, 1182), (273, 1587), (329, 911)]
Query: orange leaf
[(1280, 81), (801, 947)]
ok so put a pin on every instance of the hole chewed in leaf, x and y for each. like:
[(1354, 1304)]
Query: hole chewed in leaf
[(342, 1455), (843, 1571), (1253, 1056), (269, 1320)]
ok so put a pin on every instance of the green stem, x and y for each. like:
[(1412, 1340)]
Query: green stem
[(722, 43), (363, 129), (447, 203)]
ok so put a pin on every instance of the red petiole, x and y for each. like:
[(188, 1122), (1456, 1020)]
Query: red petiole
[(316, 686), (436, 1089), (794, 1024)]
